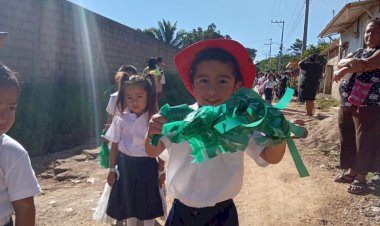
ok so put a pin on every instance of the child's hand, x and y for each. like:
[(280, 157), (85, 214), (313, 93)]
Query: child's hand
[(111, 178), (155, 124)]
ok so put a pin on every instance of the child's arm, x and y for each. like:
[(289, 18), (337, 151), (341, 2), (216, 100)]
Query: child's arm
[(154, 128), (113, 161), (274, 153), (25, 211)]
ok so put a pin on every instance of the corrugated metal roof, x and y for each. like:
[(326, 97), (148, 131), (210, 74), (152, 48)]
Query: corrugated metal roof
[(347, 15)]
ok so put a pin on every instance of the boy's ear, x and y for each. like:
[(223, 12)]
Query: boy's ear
[(238, 85)]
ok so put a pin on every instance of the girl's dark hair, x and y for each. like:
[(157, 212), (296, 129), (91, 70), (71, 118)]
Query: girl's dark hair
[(375, 21), (219, 55), (146, 82), (8, 77), (152, 63), (158, 60), (130, 69)]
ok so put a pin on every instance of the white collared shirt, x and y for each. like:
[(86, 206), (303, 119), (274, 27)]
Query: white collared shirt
[(17, 178), (205, 184), (129, 132), (111, 106)]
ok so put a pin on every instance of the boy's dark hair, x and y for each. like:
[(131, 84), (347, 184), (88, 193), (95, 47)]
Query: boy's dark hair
[(146, 82), (8, 77), (219, 55), (152, 63), (159, 60)]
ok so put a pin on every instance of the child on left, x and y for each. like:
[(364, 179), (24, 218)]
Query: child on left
[(132, 174), (18, 183)]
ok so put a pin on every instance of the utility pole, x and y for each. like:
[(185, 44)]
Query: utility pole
[(270, 48), (281, 45), (304, 41)]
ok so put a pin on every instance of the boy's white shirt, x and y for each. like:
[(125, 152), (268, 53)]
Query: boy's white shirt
[(129, 132), (17, 178), (208, 183)]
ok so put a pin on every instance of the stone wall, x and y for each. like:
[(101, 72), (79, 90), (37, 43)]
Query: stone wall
[(56, 38)]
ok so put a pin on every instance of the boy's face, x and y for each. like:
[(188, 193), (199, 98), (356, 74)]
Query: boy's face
[(214, 82), (8, 103)]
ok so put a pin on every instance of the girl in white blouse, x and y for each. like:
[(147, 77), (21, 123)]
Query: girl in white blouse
[(133, 174)]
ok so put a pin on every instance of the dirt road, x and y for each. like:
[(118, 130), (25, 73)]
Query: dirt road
[(72, 182)]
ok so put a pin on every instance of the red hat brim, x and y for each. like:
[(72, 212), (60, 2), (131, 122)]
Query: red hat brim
[(185, 58)]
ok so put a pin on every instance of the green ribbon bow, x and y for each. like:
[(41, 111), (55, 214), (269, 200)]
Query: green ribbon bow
[(227, 127)]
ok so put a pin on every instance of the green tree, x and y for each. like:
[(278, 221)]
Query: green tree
[(316, 49), (167, 33), (296, 47), (199, 34), (252, 52)]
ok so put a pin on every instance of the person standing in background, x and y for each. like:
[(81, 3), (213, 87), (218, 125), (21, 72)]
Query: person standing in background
[(161, 66), (310, 75)]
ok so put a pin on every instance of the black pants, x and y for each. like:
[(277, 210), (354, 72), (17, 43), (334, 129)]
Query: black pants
[(222, 214)]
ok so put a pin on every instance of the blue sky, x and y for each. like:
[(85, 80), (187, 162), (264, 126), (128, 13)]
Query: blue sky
[(247, 21)]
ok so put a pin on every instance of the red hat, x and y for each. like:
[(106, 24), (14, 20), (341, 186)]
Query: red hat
[(185, 58)]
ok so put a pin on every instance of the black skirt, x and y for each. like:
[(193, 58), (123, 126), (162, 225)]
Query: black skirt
[(136, 192)]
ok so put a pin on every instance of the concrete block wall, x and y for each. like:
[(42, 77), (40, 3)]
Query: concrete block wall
[(56, 38)]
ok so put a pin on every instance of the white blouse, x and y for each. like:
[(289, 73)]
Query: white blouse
[(129, 132)]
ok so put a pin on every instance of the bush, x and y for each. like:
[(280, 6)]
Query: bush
[(58, 114), (174, 92)]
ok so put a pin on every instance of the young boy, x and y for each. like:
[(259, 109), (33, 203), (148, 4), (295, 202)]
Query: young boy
[(18, 184), (212, 71)]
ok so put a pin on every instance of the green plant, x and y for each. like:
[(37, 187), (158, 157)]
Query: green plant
[(174, 92), (325, 104), (57, 114)]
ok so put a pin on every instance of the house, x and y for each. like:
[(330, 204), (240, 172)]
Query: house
[(350, 23)]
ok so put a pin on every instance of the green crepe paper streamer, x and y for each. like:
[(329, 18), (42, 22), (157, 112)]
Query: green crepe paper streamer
[(104, 155), (233, 122), (301, 169)]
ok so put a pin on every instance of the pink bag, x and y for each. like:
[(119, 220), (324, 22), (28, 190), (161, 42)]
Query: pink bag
[(359, 93)]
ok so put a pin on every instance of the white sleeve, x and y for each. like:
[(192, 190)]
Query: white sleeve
[(114, 132), (21, 180), (165, 154), (163, 81), (254, 150), (111, 106)]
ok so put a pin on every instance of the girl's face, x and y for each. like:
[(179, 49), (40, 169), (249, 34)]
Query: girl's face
[(372, 35), (8, 103), (214, 82), (136, 99)]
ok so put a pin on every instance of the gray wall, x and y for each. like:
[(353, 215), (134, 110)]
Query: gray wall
[(56, 38)]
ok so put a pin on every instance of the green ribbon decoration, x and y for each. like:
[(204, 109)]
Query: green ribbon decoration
[(226, 128), (104, 154)]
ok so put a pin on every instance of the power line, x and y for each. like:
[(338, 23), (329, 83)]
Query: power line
[(295, 22)]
